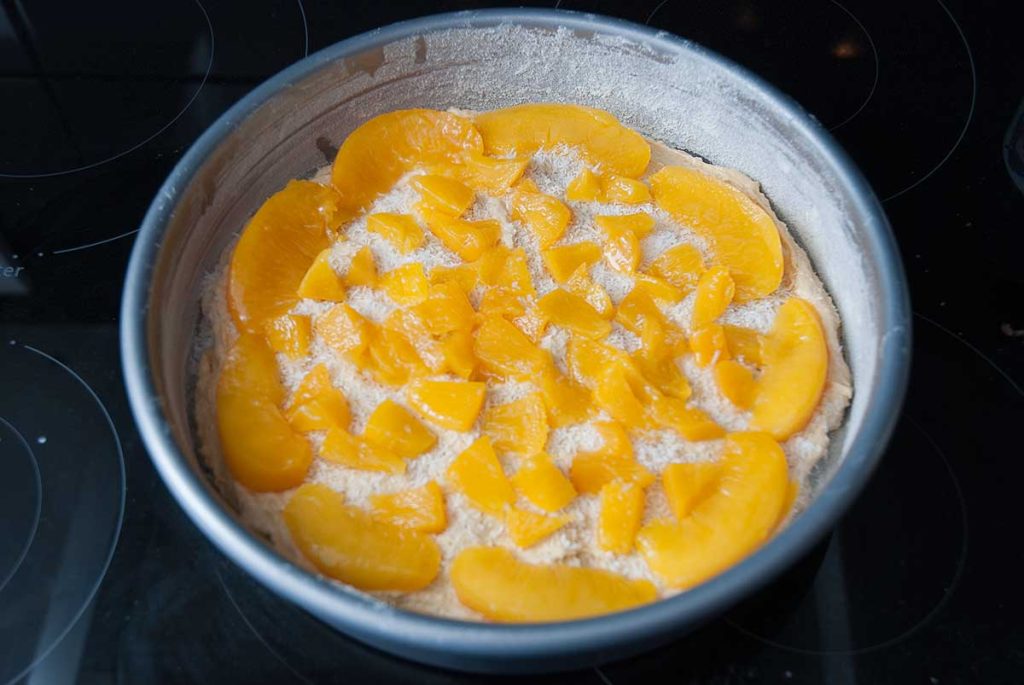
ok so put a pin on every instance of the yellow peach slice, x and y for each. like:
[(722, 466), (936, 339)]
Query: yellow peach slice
[(350, 545), (362, 270), (341, 447), (680, 265), (622, 508), (504, 350), (290, 335), (394, 427), (736, 382), (518, 426), (527, 528), (496, 584), (317, 404), (401, 230), (478, 475), (562, 261), (321, 282), (687, 484), (795, 370), (483, 173), (715, 291), (581, 284), (406, 284), (572, 312), (743, 236), (445, 194), (744, 343), (421, 508), (543, 483), (546, 216), (449, 404)]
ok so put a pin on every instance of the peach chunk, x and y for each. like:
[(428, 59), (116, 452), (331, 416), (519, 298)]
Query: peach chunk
[(362, 270), (566, 401), (680, 265), (690, 422), (614, 460), (459, 358), (743, 236), (795, 370), (449, 404), (622, 508), (622, 249), (350, 545), (686, 485), (715, 291), (709, 344), (543, 483), (501, 266), (401, 230), (625, 190), (735, 382), (406, 284), (478, 475), (421, 508), (382, 150), (625, 396), (518, 426), (602, 140), (581, 284), (341, 447), (344, 330), (564, 309), (588, 360), (640, 223), (729, 523), (547, 217), (393, 426), (495, 583), (657, 288), (504, 350), (276, 249), (480, 172), (464, 276), (445, 194), (527, 528), (744, 343), (562, 261), (290, 335), (586, 187), (446, 309), (321, 282), (392, 357), (468, 239), (262, 451), (317, 404)]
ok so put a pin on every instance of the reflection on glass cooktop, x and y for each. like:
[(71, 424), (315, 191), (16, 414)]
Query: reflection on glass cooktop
[(103, 579)]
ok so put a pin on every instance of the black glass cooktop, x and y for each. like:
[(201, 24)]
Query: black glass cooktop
[(103, 580)]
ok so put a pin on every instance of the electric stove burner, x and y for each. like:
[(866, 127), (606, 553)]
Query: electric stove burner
[(61, 502), (123, 75)]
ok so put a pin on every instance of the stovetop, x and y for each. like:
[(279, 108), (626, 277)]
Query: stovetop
[(102, 578)]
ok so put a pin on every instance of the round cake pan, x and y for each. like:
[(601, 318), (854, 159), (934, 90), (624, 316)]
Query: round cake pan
[(665, 87)]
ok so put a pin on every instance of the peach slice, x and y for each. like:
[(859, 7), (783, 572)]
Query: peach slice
[(362, 270), (735, 382), (504, 350), (527, 528), (465, 276), (743, 236), (523, 129), (468, 239), (379, 152), (321, 282), (344, 330), (657, 288), (290, 335), (401, 230), (572, 312), (622, 249), (478, 475), (680, 265), (686, 485), (692, 423), (640, 223), (406, 284), (709, 344), (458, 353), (543, 483), (276, 249), (744, 343), (586, 187), (715, 291), (449, 404), (728, 524), (317, 404), (495, 583), (483, 173), (581, 284), (518, 426), (566, 401), (350, 545), (421, 508), (445, 194), (795, 370), (262, 451), (562, 261), (614, 460), (394, 427), (622, 508), (546, 216), (446, 309), (625, 190), (341, 447)]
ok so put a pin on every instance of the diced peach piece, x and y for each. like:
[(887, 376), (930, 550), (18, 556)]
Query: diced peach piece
[(401, 230), (564, 309), (617, 394), (562, 261), (446, 309), (382, 150), (344, 330), (501, 301), (543, 483), (501, 266), (483, 173), (735, 382), (421, 508), (586, 187), (640, 223), (393, 426), (625, 190), (468, 239), (518, 426), (728, 524), (547, 217), (350, 545), (709, 345), (622, 508), (657, 288), (795, 370), (588, 359), (504, 350), (665, 374), (532, 322), (636, 309), (290, 335), (496, 584), (275, 251), (614, 460), (392, 357), (690, 422), (478, 475), (458, 353), (262, 451), (321, 282), (596, 296), (341, 447), (680, 265), (527, 528), (362, 270), (449, 404), (601, 139), (744, 343), (464, 275), (566, 401), (715, 291), (743, 236), (317, 404), (406, 284), (688, 483), (445, 194), (622, 249)]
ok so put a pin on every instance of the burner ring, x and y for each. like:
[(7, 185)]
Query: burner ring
[(8, 569)]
